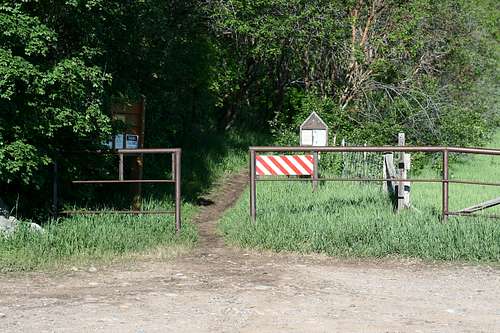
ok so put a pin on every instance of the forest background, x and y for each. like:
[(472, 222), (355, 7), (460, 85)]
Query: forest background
[(217, 70)]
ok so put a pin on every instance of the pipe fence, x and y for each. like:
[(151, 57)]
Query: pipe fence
[(444, 180), (176, 180)]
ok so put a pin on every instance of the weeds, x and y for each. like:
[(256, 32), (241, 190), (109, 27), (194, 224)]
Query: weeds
[(347, 219), (95, 237)]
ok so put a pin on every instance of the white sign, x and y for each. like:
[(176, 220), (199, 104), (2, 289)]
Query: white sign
[(314, 131), (132, 141), (306, 138), (319, 138), (119, 142)]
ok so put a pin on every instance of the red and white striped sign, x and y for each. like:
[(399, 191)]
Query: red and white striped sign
[(291, 165)]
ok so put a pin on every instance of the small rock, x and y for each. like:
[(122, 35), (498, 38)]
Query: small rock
[(74, 269), (35, 227), (262, 287), (9, 224), (2, 315), (92, 269)]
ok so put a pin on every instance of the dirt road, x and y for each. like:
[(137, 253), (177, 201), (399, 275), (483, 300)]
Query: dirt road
[(220, 289)]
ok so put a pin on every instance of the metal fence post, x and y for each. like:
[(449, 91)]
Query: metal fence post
[(55, 194), (445, 185), (253, 188), (178, 191), (173, 166), (177, 177), (315, 171)]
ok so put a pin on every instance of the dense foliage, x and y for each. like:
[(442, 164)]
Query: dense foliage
[(371, 68), (50, 94)]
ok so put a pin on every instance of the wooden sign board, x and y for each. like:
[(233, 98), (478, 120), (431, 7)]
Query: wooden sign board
[(314, 132), (132, 115)]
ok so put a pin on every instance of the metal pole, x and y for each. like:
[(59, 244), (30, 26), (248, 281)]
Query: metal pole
[(445, 185), (178, 191), (120, 167), (315, 171), (173, 166), (55, 203), (253, 188), (365, 163)]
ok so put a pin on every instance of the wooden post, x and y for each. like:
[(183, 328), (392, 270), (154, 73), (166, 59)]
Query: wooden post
[(407, 185), (137, 173), (120, 168), (403, 167), (389, 172), (385, 175), (138, 161), (400, 192)]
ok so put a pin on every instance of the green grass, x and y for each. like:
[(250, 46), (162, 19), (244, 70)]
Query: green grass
[(208, 159), (107, 237), (95, 238), (347, 219)]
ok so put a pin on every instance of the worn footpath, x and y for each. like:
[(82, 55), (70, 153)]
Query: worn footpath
[(216, 288)]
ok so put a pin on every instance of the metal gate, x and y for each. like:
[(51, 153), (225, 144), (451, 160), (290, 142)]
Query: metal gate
[(445, 181), (176, 180)]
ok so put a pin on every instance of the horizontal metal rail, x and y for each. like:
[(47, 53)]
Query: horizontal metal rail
[(371, 149), (129, 151), (125, 181), (310, 179), (149, 151), (131, 212), (472, 182), (445, 181), (409, 180), (490, 216), (176, 179)]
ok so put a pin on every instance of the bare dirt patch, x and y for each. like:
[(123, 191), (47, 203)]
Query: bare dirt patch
[(219, 289)]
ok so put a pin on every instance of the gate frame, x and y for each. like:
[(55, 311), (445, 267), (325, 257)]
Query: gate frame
[(445, 181), (176, 179)]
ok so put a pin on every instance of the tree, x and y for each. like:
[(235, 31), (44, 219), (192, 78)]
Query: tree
[(48, 100), (398, 64)]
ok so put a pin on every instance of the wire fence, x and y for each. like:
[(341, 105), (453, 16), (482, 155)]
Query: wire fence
[(360, 164)]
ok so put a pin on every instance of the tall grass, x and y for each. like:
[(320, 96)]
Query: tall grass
[(83, 238), (210, 158), (350, 219), (107, 236)]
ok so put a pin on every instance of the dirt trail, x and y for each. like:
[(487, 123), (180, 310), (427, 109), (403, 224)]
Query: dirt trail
[(219, 289), (216, 203)]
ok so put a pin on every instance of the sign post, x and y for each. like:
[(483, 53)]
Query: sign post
[(314, 133), (133, 115)]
